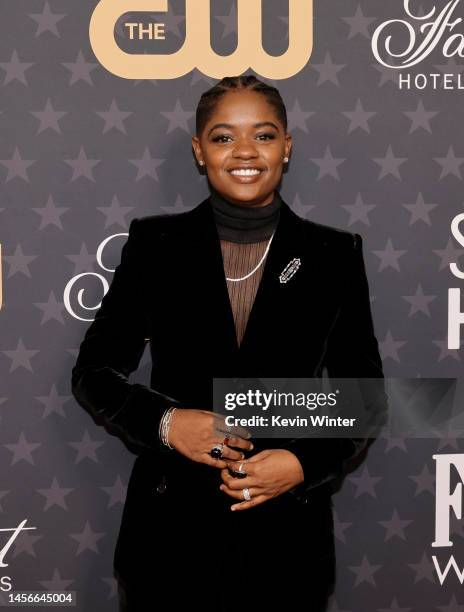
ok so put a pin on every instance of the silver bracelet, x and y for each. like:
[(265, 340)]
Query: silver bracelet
[(165, 424)]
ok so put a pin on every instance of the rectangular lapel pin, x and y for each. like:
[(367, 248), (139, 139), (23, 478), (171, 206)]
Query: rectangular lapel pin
[(290, 269)]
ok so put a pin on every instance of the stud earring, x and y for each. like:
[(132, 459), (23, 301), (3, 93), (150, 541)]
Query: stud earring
[(201, 162), (285, 160)]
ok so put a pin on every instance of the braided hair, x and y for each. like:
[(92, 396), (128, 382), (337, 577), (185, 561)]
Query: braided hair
[(211, 97)]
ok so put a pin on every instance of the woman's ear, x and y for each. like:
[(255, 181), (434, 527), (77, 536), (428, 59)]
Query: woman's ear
[(288, 145), (197, 150)]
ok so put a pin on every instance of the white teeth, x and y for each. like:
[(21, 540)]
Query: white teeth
[(246, 172)]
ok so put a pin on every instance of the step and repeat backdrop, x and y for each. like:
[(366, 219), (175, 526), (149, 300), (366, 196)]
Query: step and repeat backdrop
[(97, 111)]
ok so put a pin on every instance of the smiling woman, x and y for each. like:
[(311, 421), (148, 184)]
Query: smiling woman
[(242, 141), (230, 523)]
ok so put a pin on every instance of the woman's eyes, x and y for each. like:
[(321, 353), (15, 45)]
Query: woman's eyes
[(221, 138), (227, 138)]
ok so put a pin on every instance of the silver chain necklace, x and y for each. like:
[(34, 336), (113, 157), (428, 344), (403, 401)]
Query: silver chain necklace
[(236, 280)]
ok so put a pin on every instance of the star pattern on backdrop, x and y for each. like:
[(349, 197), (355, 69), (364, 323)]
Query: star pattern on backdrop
[(450, 254), (22, 450), (15, 69), (450, 164), (52, 309), (328, 71), (86, 448), (17, 166), (178, 118), (389, 347), (297, 118), (419, 302), (82, 166), (365, 572), (19, 262), (390, 164), (55, 496), (114, 118), (53, 402), (420, 211), (47, 21), (147, 165), (359, 211), (420, 118), (425, 481), (50, 214), (359, 118), (21, 356), (328, 165), (395, 527), (56, 583), (87, 539), (389, 256), (83, 152), (81, 69), (359, 23), (115, 213), (49, 118)]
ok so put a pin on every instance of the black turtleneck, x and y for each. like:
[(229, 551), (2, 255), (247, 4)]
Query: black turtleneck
[(245, 224)]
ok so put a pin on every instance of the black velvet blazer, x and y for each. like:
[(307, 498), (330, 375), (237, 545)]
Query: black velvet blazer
[(170, 290)]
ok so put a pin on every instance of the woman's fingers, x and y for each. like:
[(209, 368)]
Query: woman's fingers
[(236, 442), (245, 505), (240, 495), (230, 453), (246, 497), (226, 455), (242, 467), (208, 460), (220, 425), (237, 484)]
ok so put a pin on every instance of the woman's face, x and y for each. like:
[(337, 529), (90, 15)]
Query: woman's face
[(243, 146)]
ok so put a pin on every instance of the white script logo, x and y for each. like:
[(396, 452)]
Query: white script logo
[(435, 28), (80, 294)]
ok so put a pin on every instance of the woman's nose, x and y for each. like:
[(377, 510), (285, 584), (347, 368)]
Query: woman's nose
[(245, 149)]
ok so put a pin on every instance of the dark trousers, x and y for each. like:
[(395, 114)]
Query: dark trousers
[(131, 602), (276, 556)]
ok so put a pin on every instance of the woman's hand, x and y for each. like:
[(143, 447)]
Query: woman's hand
[(269, 474), (193, 433)]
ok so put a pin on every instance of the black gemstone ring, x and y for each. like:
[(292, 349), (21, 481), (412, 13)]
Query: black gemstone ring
[(216, 451)]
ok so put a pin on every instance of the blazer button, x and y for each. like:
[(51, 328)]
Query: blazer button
[(161, 488)]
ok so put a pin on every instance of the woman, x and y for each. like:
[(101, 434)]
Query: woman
[(206, 289)]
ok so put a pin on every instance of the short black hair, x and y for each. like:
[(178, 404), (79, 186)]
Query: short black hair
[(211, 97)]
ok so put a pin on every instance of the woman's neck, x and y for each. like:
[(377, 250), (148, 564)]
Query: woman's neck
[(245, 224)]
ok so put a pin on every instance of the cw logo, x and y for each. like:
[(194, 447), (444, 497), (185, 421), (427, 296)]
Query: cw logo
[(196, 52)]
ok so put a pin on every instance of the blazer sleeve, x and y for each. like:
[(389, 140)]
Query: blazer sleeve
[(112, 348), (351, 352)]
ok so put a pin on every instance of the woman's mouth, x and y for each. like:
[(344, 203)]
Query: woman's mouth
[(246, 174)]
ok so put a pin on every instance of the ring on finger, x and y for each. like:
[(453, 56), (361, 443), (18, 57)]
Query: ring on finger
[(216, 451), (240, 473), (246, 494)]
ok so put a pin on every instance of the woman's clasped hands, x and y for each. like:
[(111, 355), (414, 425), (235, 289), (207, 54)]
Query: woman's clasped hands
[(262, 476)]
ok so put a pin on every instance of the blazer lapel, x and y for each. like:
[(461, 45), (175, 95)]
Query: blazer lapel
[(286, 248), (207, 268), (206, 279)]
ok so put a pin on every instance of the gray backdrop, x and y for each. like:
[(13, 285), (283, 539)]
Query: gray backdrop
[(82, 152)]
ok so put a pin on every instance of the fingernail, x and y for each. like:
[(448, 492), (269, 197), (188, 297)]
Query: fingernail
[(233, 508), (251, 447)]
